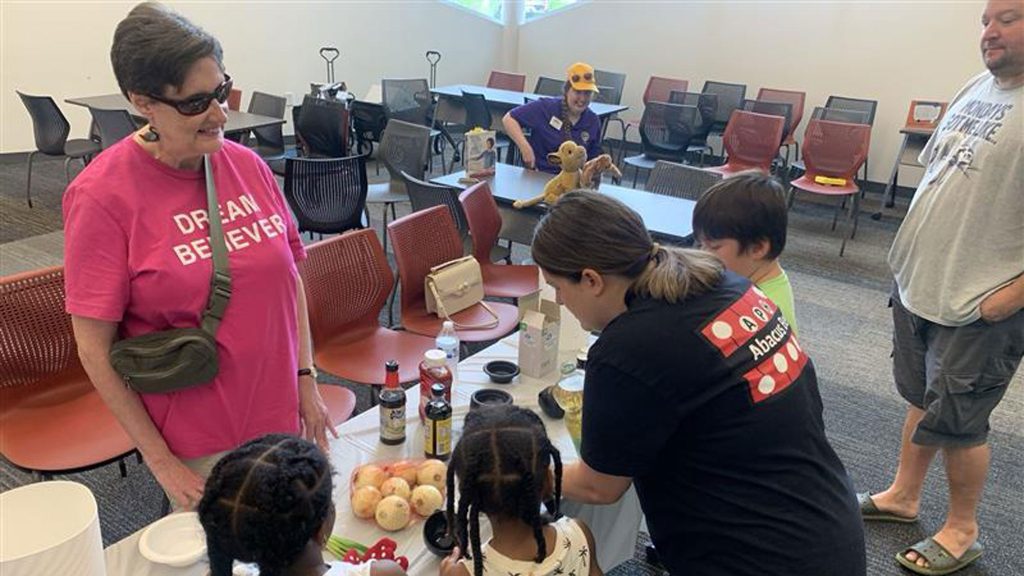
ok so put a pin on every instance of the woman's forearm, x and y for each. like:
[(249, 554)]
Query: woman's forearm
[(515, 132), (94, 338), (302, 317)]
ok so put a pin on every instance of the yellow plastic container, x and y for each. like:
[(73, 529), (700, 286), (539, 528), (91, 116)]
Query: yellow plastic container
[(829, 181)]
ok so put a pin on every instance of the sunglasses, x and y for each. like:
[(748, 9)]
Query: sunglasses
[(198, 103), (589, 77)]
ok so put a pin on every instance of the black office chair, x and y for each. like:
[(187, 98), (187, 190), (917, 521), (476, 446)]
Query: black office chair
[(679, 181), (112, 125), (478, 114), (51, 131), (665, 134), (549, 86), (327, 195), (730, 98), (707, 109)]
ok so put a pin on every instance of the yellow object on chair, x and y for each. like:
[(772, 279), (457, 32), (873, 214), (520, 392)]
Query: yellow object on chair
[(829, 181)]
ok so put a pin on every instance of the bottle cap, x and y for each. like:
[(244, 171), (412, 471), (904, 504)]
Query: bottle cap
[(437, 390), (391, 366), (435, 357), (448, 325)]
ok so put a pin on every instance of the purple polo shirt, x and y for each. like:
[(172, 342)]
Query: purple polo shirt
[(545, 138)]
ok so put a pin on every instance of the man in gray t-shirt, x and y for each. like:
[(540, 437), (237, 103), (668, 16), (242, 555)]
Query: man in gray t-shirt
[(958, 324)]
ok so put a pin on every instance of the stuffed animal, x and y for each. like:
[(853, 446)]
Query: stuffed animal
[(593, 169), (571, 157)]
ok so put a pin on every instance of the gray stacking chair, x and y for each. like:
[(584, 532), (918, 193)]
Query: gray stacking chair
[(112, 125), (51, 130), (672, 179), (404, 147)]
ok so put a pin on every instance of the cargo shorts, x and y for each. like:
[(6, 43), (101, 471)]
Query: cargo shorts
[(957, 375)]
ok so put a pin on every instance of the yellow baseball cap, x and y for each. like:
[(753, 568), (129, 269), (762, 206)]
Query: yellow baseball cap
[(581, 77)]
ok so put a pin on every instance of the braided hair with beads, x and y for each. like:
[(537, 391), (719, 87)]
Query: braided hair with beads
[(501, 465), (263, 503)]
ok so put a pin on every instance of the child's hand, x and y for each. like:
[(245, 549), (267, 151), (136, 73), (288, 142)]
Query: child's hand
[(449, 564)]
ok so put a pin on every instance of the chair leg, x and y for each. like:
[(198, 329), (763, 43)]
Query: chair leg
[(636, 175), (391, 302), (67, 172), (792, 197), (123, 467), (835, 216), (384, 225), (28, 181)]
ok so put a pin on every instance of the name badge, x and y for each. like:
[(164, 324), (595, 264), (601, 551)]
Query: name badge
[(585, 136), (555, 123)]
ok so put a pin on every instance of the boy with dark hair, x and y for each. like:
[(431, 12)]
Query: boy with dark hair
[(742, 220)]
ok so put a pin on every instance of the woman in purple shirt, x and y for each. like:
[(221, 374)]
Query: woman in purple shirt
[(554, 120)]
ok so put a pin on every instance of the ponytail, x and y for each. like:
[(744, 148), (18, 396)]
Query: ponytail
[(674, 274)]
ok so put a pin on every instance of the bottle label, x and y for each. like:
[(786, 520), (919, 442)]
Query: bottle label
[(392, 423), (437, 440)]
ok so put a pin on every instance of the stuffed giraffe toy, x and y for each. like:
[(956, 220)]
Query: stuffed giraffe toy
[(593, 169)]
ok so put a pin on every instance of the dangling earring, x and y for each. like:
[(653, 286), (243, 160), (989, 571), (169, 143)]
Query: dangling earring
[(151, 135)]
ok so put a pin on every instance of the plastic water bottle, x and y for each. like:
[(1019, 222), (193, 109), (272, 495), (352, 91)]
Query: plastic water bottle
[(448, 341), (569, 395)]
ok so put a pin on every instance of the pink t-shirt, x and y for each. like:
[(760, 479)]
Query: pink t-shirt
[(136, 252)]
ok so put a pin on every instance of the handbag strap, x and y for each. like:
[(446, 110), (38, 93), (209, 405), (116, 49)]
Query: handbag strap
[(220, 283), (440, 308)]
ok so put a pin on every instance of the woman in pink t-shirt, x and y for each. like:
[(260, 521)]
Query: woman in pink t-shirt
[(138, 260)]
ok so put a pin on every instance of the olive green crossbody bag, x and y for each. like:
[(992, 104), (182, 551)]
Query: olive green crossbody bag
[(170, 360)]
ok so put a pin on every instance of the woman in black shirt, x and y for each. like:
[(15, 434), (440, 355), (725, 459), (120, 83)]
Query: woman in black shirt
[(697, 392)]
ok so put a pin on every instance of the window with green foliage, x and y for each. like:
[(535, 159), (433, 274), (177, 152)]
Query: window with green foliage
[(493, 9), (536, 8)]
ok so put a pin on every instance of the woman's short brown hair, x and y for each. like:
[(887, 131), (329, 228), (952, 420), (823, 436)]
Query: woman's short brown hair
[(591, 230), (154, 47)]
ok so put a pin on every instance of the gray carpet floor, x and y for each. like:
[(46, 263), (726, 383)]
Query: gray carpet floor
[(844, 322)]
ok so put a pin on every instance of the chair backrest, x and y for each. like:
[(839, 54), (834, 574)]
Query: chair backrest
[(783, 109), (608, 95), (235, 99), (484, 219), (707, 108), (36, 341), (324, 127), (425, 195), (347, 280), (368, 120), (616, 80), (478, 113), (858, 104), (836, 149), (507, 81), (794, 98), (549, 86), (840, 115), (407, 99), (49, 125), (268, 105), (404, 147), (666, 130), (422, 240), (327, 195), (680, 181), (752, 140), (730, 97), (113, 125), (659, 88)]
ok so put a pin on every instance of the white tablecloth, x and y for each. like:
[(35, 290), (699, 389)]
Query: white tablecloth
[(615, 526)]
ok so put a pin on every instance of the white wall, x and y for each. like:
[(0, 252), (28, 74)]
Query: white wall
[(62, 49), (888, 51)]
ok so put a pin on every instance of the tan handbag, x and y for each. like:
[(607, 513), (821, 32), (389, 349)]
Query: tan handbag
[(455, 286)]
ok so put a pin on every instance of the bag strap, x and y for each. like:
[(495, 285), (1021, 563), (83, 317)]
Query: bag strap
[(440, 308), (220, 283)]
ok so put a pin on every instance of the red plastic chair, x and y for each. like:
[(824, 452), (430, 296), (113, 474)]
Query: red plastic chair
[(347, 281), (52, 420), (751, 141), (796, 100), (507, 81), (421, 241), (834, 150), (234, 99), (500, 280)]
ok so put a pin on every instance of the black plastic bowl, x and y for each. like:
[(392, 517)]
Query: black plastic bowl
[(489, 397), (501, 371), (548, 403), (435, 534)]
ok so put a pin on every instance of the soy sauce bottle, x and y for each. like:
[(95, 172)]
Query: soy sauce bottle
[(392, 407), (437, 432)]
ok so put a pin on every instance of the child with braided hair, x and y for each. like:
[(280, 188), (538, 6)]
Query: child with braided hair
[(269, 502), (502, 466)]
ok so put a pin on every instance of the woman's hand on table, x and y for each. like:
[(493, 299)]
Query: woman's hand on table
[(529, 159), (313, 414), (182, 485)]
